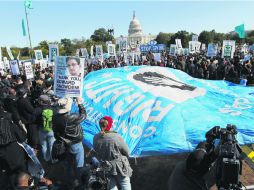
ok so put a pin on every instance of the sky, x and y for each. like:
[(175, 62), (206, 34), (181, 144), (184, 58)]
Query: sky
[(55, 20)]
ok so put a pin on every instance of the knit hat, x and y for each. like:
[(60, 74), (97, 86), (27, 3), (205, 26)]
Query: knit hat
[(65, 105), (44, 99), (110, 122)]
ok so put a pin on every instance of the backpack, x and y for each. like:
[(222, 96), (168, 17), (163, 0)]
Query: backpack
[(47, 115)]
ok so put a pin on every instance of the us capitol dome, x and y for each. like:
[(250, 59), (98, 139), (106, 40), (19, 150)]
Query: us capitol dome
[(135, 35)]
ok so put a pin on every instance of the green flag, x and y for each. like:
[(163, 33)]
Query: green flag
[(240, 31), (23, 28), (28, 4)]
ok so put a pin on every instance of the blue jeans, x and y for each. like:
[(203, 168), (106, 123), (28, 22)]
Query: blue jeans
[(78, 151), (123, 181), (46, 139)]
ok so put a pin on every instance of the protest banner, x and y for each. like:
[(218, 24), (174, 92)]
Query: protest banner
[(53, 52), (69, 72), (123, 45), (228, 48), (38, 55), (99, 52), (14, 67), (111, 49), (172, 50), (194, 37), (28, 70), (212, 50), (178, 43), (8, 49), (192, 48)]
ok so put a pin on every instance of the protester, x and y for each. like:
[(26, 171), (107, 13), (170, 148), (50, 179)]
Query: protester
[(110, 146), (66, 127)]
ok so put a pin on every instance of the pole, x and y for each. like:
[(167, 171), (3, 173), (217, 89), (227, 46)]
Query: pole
[(31, 48)]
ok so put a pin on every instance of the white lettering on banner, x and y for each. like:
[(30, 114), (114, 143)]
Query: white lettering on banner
[(141, 107), (238, 105), (95, 83), (136, 134), (162, 111), (135, 131), (117, 95), (115, 90), (152, 131)]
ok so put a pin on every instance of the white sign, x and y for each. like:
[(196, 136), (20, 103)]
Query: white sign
[(111, 49), (84, 52), (69, 72), (91, 51), (14, 67), (197, 46), (6, 63), (203, 47), (228, 48), (38, 55), (123, 45), (194, 37), (178, 43), (192, 48), (8, 49), (53, 52), (99, 52), (157, 56), (28, 70), (0, 54)]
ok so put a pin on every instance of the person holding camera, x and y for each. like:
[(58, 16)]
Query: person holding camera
[(111, 147), (190, 174)]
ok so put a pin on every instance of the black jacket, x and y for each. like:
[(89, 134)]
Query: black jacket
[(10, 105), (67, 126), (26, 110), (9, 132)]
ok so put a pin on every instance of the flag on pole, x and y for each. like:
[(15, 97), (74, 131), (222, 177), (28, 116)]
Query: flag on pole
[(23, 28), (28, 4), (240, 31)]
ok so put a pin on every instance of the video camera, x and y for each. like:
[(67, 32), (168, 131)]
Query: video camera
[(228, 163)]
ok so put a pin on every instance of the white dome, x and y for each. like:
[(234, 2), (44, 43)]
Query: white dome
[(134, 27)]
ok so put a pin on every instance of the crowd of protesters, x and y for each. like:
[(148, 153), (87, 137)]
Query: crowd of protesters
[(196, 65)]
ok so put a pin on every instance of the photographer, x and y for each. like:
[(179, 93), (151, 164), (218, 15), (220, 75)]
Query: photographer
[(189, 174), (111, 147)]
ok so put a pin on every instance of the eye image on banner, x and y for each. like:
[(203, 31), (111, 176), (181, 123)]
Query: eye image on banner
[(53, 52), (38, 54), (69, 72)]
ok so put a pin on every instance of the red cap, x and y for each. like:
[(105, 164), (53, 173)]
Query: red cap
[(110, 122)]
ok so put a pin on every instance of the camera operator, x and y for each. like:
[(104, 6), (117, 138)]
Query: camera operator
[(190, 174), (111, 147)]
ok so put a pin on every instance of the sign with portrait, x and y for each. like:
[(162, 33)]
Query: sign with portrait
[(178, 43), (228, 48), (99, 52), (14, 67), (123, 45), (192, 47), (28, 70), (53, 52), (69, 72), (212, 50), (38, 55), (111, 49), (172, 49)]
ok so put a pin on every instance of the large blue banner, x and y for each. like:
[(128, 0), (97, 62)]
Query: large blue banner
[(164, 111)]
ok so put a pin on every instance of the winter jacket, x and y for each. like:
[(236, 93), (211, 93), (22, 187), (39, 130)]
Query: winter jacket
[(67, 126), (26, 110), (112, 148)]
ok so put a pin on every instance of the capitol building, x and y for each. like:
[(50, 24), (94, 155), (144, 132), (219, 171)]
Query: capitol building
[(135, 34)]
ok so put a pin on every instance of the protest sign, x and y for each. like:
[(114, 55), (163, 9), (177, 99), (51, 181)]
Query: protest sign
[(69, 72), (111, 49), (197, 46), (123, 45), (185, 51), (194, 37), (172, 49), (84, 52), (14, 67), (203, 47), (53, 52), (28, 70), (38, 55), (8, 49), (228, 48), (6, 63), (178, 43), (157, 57), (212, 50), (192, 47), (99, 52), (91, 51)]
